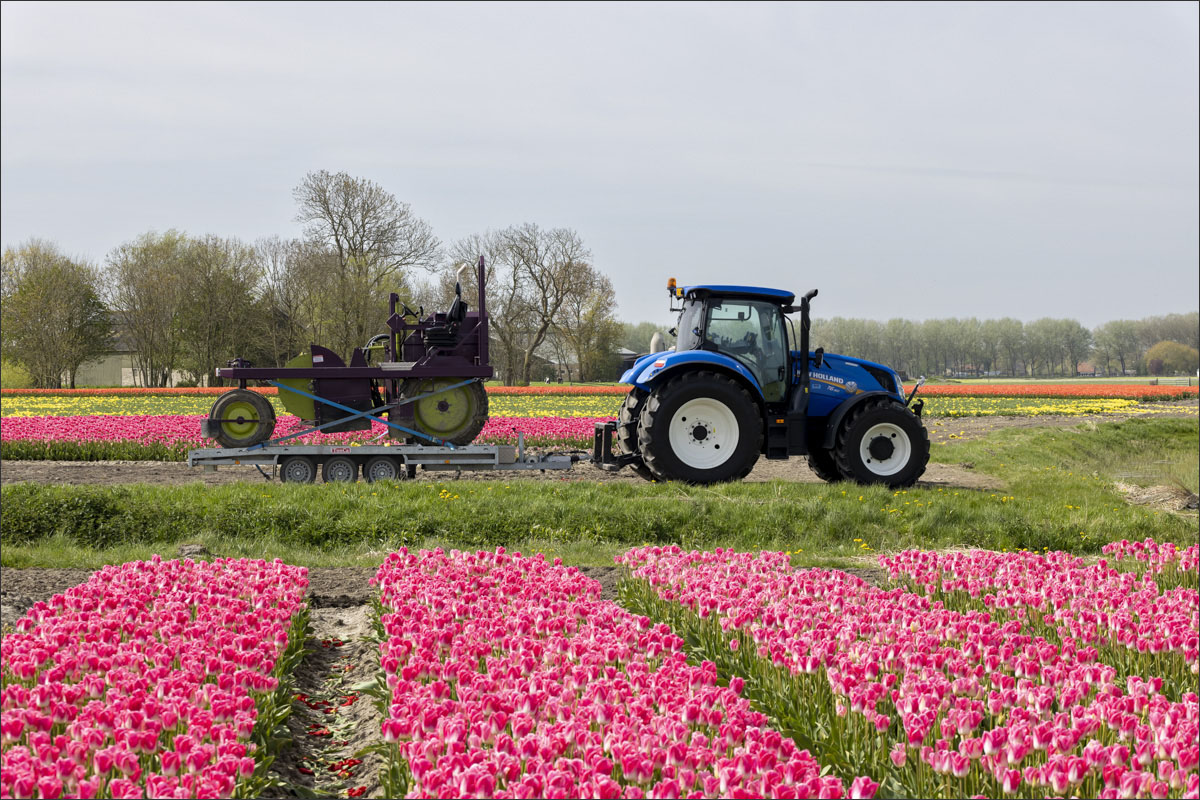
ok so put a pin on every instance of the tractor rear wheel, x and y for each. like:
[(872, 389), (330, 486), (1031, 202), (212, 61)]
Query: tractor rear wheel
[(882, 442), (701, 427), (627, 431), (455, 415), (824, 465), (241, 418)]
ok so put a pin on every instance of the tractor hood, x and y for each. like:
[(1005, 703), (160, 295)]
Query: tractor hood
[(641, 364)]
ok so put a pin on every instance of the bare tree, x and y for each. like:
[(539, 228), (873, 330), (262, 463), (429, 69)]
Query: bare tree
[(588, 324), (219, 316), (372, 242), (54, 319), (145, 289)]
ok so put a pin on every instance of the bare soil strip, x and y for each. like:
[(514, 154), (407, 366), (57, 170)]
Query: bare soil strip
[(331, 723)]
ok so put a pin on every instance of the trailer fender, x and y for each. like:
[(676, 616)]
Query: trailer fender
[(834, 420), (670, 364)]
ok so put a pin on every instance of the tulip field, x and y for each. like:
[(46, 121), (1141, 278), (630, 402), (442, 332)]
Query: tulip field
[(163, 424), (718, 674)]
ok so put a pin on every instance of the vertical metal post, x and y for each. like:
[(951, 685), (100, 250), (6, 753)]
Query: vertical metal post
[(482, 328)]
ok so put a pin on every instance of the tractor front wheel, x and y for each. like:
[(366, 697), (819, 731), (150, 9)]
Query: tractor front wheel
[(701, 427), (627, 431), (241, 418), (882, 442)]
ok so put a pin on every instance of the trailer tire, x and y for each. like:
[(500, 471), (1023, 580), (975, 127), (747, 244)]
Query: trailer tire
[(882, 442), (689, 419), (824, 465), (241, 418), (627, 431), (340, 469), (298, 469), (384, 468)]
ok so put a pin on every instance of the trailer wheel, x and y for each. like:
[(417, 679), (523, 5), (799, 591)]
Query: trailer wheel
[(339, 469), (701, 427), (882, 442), (298, 469), (627, 431), (241, 418), (384, 468), (824, 465)]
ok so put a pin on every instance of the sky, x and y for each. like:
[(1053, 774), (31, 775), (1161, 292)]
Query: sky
[(908, 160)]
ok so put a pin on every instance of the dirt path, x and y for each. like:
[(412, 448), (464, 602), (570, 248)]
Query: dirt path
[(941, 430), (331, 723)]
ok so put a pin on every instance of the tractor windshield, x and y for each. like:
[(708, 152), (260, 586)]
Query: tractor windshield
[(689, 332)]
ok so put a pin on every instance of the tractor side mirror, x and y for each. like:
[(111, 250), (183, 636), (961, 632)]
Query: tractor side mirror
[(819, 357)]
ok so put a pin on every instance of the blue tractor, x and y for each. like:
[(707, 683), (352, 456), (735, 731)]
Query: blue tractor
[(739, 384)]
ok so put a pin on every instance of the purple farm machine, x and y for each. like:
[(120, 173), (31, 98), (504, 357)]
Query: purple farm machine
[(423, 379)]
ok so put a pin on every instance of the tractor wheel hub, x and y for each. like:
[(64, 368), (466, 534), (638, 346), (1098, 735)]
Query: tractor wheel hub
[(881, 448)]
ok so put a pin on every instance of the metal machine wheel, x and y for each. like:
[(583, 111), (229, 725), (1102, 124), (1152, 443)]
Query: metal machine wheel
[(298, 469), (823, 465), (384, 468), (339, 469), (701, 427), (241, 418), (882, 442), (627, 435), (457, 415)]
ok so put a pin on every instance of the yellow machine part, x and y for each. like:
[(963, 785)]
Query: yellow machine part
[(303, 407)]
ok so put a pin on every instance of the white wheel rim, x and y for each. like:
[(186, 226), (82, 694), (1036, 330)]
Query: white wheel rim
[(704, 433), (901, 449)]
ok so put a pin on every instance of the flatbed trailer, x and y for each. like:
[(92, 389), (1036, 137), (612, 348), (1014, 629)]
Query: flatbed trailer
[(300, 463)]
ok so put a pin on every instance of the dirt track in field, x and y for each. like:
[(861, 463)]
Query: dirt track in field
[(941, 430)]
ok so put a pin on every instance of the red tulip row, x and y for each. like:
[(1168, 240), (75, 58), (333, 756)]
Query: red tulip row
[(933, 701), (152, 679), (508, 676)]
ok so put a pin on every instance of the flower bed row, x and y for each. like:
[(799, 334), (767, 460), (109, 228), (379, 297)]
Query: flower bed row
[(1133, 391), (152, 679), (929, 700), (509, 677), (168, 438)]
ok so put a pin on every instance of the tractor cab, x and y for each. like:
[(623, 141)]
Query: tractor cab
[(745, 323)]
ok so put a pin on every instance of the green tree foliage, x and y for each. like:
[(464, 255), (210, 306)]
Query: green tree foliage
[(1175, 358), (54, 319)]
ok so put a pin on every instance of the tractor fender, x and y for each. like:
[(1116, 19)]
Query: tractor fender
[(834, 420), (640, 364), (670, 364)]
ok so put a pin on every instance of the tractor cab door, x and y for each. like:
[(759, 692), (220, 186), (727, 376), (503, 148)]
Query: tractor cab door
[(752, 332)]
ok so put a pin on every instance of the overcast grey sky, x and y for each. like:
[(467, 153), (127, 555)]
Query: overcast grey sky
[(916, 160)]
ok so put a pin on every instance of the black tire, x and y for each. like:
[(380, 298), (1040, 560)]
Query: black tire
[(241, 418), (895, 433), (339, 469), (658, 416), (298, 469), (627, 433), (824, 465), (384, 468)]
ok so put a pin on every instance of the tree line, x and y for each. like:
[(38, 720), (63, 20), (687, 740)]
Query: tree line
[(185, 305)]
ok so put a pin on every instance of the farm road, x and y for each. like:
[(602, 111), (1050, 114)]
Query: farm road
[(945, 430)]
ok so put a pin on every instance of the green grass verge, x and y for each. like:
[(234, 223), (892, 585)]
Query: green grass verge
[(1059, 496)]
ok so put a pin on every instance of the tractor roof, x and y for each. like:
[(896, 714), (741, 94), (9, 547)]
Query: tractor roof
[(777, 296)]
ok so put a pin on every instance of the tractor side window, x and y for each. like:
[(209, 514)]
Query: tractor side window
[(752, 333)]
